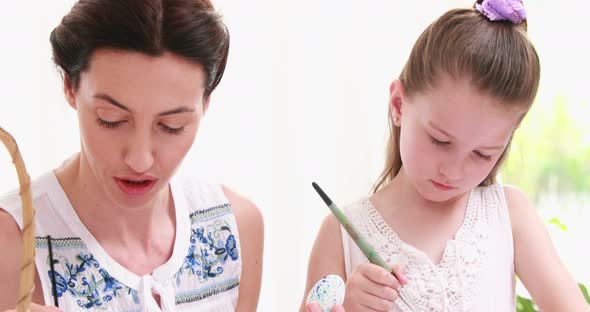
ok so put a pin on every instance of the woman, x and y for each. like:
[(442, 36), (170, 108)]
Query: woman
[(125, 230)]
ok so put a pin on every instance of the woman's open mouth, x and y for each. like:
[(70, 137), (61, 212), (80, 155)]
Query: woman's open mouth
[(135, 187)]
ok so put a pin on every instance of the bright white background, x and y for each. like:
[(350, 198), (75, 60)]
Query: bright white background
[(303, 99)]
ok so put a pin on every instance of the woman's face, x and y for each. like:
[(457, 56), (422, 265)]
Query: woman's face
[(138, 116)]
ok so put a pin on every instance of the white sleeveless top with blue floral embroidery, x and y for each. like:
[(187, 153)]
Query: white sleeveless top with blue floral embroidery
[(203, 273)]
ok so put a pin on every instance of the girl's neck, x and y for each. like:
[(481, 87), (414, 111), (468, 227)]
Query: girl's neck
[(401, 191), (424, 224)]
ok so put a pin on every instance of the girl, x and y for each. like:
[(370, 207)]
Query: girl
[(455, 237), (117, 228)]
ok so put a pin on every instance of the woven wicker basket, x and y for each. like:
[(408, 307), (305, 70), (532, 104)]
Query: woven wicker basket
[(27, 270)]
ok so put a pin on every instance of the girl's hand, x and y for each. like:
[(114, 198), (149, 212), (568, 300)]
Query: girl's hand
[(372, 287), (39, 308), (315, 307)]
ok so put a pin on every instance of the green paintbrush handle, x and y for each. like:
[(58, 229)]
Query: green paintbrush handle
[(360, 241)]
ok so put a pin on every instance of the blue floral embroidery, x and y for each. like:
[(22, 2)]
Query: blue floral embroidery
[(230, 246), (211, 246), (80, 279)]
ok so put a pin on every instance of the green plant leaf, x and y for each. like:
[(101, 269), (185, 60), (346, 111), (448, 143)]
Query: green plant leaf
[(558, 223), (585, 292), (525, 305)]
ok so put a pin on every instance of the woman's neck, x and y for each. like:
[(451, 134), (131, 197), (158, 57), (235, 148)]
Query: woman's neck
[(145, 229)]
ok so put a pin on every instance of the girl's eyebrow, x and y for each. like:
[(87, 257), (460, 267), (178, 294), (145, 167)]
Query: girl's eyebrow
[(437, 128), (497, 147)]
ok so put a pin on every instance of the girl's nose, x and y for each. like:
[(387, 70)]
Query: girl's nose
[(452, 170)]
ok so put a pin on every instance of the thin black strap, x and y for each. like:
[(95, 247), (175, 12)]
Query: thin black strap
[(53, 283)]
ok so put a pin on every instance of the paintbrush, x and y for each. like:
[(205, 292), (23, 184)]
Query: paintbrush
[(360, 241)]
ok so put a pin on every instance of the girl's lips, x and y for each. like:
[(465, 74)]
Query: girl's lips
[(135, 187), (442, 186)]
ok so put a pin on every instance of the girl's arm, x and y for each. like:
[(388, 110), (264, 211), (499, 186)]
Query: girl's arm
[(251, 229), (536, 261), (327, 256), (368, 287)]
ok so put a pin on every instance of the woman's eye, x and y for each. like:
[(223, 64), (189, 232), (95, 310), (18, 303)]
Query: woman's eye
[(109, 124), (171, 130)]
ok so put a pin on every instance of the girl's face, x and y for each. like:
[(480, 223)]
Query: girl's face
[(451, 136), (138, 117)]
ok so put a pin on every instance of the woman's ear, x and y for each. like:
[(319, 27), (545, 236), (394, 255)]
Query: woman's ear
[(206, 101), (69, 91), (396, 95)]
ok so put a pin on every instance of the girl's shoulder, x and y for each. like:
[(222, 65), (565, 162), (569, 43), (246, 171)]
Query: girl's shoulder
[(519, 207), (511, 195)]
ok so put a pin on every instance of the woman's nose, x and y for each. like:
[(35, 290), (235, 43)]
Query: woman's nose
[(139, 155)]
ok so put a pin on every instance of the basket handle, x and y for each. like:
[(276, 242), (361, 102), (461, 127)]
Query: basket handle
[(27, 270)]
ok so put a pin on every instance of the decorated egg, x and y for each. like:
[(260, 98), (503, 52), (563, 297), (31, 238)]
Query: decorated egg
[(327, 292)]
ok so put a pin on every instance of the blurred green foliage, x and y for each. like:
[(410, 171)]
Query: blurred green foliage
[(551, 150), (550, 153)]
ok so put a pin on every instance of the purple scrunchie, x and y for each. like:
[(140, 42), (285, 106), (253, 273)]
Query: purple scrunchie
[(502, 10)]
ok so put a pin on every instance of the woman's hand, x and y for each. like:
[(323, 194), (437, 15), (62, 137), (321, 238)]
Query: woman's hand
[(371, 287), (39, 308)]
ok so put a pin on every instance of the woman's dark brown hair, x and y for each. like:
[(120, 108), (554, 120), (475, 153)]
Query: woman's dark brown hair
[(188, 28), (497, 58)]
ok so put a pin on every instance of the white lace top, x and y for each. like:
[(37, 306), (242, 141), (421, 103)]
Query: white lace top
[(203, 273), (476, 272)]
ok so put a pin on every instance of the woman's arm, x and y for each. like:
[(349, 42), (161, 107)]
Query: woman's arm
[(536, 261), (251, 230), (10, 261)]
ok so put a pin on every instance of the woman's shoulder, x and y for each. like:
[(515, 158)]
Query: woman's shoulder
[(217, 194), (247, 214), (11, 202)]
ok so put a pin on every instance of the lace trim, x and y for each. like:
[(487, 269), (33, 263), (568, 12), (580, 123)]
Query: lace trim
[(450, 285)]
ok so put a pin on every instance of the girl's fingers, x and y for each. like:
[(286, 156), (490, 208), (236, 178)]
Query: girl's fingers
[(313, 307), (379, 275), (399, 271)]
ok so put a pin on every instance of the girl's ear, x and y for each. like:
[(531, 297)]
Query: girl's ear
[(396, 95), (69, 91)]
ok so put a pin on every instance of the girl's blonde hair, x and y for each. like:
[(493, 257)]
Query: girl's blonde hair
[(497, 57)]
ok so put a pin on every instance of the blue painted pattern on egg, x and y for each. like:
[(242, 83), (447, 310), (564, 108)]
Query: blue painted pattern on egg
[(327, 292)]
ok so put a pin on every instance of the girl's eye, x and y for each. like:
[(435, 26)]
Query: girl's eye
[(171, 130), (109, 124), (482, 156), (439, 142)]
